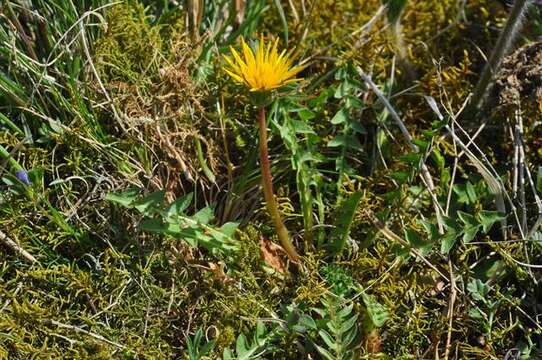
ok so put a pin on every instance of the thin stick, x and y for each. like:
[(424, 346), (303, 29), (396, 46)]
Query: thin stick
[(453, 296), (523, 169), (518, 130), (83, 331), (515, 161), (6, 240)]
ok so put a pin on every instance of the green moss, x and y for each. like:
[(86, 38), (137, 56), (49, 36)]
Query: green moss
[(98, 272), (126, 50)]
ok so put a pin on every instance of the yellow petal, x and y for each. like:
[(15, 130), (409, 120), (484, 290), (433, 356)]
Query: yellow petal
[(235, 76), (247, 52), (241, 64), (232, 65)]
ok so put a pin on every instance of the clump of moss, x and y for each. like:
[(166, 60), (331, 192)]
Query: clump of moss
[(147, 69), (130, 45), (50, 305)]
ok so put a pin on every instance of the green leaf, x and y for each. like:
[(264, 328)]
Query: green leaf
[(260, 334), (241, 345), (307, 322), (393, 195), (306, 114), (180, 205), (438, 158), (229, 228), (155, 225), (334, 327), (173, 229), (227, 354), (478, 290), (331, 344), (450, 236), (422, 144), (344, 312), (301, 127), (412, 158), (58, 218), (343, 221), (471, 192), (283, 20), (326, 354), (471, 226), (470, 233), (125, 198), (357, 127), (338, 140), (430, 229), (491, 269), (415, 240), (349, 337), (376, 311), (151, 203), (353, 102), (401, 176), (348, 324), (202, 162), (352, 142), (475, 313), (461, 192), (345, 140), (204, 216), (322, 98), (488, 218), (8, 123), (347, 86), (448, 242), (467, 219), (340, 117)]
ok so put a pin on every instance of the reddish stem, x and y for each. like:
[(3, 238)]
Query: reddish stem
[(267, 184)]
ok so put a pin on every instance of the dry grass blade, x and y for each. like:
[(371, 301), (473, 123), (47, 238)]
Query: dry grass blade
[(86, 332), (493, 182), (425, 174)]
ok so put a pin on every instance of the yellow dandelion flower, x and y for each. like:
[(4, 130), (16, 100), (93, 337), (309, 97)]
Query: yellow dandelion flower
[(264, 69)]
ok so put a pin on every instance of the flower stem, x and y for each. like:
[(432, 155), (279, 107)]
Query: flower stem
[(267, 184)]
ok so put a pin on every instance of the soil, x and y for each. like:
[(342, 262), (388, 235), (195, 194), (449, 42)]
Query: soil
[(520, 78)]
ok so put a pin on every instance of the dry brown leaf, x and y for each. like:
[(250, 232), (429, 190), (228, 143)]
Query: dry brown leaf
[(218, 271), (269, 252), (373, 343)]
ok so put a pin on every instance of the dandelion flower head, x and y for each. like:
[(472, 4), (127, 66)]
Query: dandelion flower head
[(263, 69)]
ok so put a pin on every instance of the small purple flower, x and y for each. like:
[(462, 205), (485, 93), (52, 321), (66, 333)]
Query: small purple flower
[(23, 176)]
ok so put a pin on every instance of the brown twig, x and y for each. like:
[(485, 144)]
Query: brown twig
[(451, 303), (6, 240), (83, 331)]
